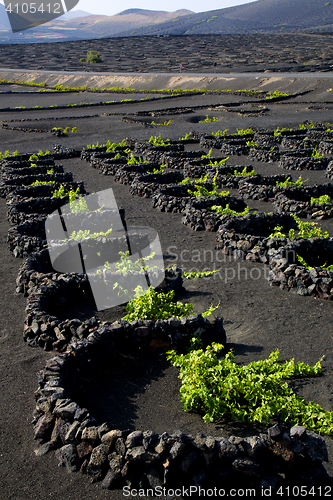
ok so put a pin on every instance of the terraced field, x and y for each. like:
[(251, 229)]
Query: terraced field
[(204, 53)]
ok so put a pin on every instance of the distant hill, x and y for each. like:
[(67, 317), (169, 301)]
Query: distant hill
[(72, 14), (81, 25), (152, 13), (260, 16), (128, 20)]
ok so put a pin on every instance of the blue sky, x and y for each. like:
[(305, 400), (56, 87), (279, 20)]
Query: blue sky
[(111, 8)]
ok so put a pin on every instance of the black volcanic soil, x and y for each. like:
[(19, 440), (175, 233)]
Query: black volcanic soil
[(143, 393), (197, 53)]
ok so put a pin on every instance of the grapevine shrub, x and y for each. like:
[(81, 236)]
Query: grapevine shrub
[(257, 392), (155, 305), (305, 230)]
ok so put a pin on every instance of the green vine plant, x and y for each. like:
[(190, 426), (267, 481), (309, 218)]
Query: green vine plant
[(201, 191), (209, 154), (156, 140), (92, 57), (111, 146), (61, 192), (41, 183), (244, 173), (307, 266), (200, 274), (76, 200), (220, 133), (289, 182), (159, 170), (306, 230), (6, 154), (277, 232), (85, 233), (132, 160), (74, 130), (118, 155), (322, 200), (42, 153), (228, 211), (276, 93), (315, 154), (209, 120), (65, 130), (257, 392), (150, 304), (87, 104), (167, 123), (78, 204), (64, 88), (218, 163), (278, 131), (155, 305), (249, 91), (244, 131), (126, 265), (19, 82), (304, 126), (93, 146), (187, 180), (36, 156)]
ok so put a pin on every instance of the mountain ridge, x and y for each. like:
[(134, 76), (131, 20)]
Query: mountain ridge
[(150, 12), (259, 16), (269, 16), (72, 14)]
